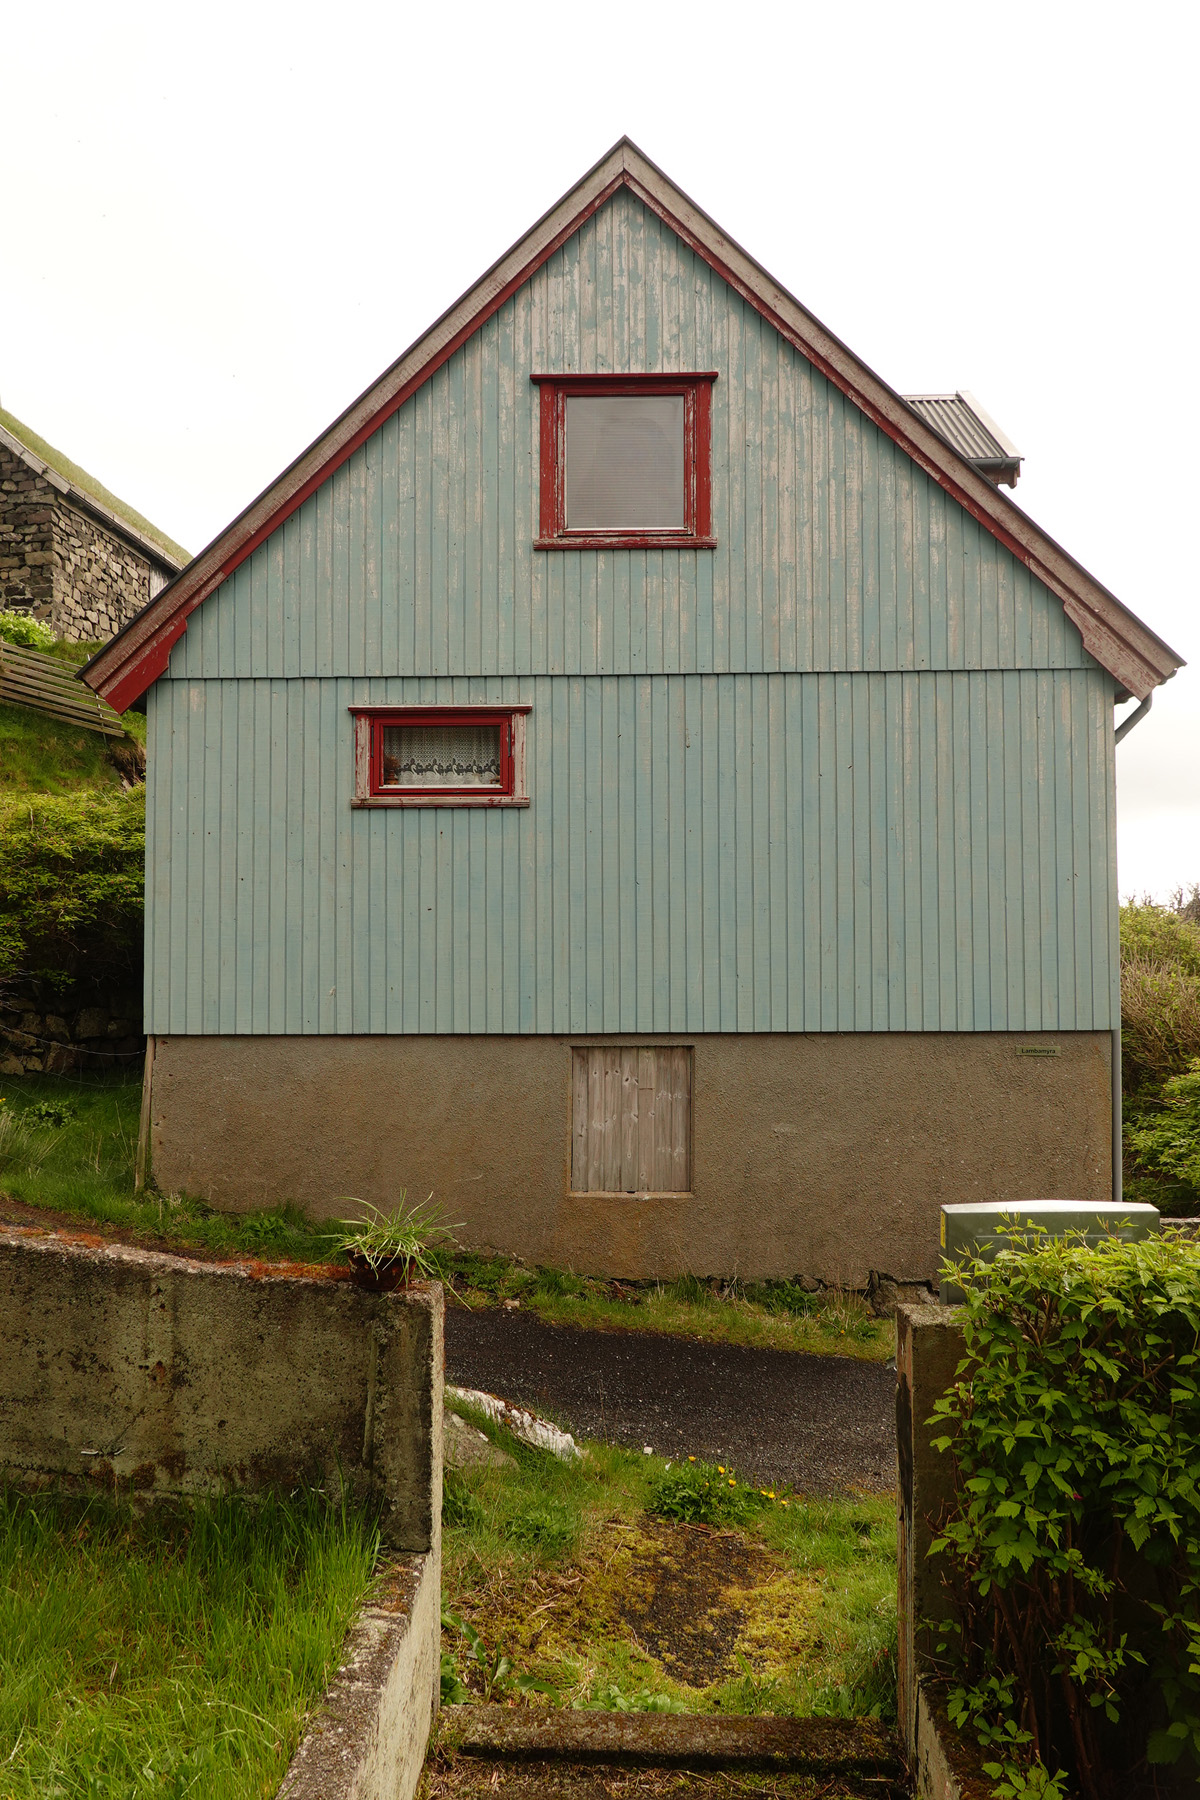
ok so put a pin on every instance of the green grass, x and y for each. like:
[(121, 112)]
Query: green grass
[(774, 1315), (85, 1166), (39, 754), (170, 1654), (70, 1145), (81, 479), (537, 1557)]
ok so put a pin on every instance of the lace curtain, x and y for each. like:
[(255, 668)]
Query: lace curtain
[(452, 756)]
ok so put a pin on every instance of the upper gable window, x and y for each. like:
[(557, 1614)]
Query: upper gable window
[(625, 460)]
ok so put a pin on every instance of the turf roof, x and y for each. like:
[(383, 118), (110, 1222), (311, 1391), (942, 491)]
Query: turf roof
[(87, 484)]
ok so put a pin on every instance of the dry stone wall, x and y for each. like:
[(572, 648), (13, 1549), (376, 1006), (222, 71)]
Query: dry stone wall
[(86, 1028), (61, 565)]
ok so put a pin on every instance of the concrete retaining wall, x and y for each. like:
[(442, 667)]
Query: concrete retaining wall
[(122, 1366), (368, 1740), (825, 1155)]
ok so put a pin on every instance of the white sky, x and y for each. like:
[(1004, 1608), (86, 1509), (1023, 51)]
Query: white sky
[(221, 223)]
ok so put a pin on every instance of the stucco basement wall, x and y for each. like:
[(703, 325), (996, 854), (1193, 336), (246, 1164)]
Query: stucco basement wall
[(182, 1377), (825, 1155)]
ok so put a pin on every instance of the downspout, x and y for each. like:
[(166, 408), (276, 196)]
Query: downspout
[(1135, 718), (1123, 730)]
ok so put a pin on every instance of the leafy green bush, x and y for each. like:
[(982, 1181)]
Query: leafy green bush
[(699, 1493), (71, 883), (1166, 1138), (1072, 1547), (29, 633)]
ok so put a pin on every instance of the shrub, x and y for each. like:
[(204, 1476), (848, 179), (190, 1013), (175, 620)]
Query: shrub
[(71, 883), (1160, 992), (1072, 1547), (29, 633), (1166, 1140)]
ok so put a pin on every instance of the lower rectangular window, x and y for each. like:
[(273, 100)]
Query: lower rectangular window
[(632, 1120), (440, 756)]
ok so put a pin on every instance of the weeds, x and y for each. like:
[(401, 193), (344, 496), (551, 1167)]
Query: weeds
[(406, 1239), (699, 1493)]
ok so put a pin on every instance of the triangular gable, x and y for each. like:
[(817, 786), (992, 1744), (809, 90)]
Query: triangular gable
[(1133, 655)]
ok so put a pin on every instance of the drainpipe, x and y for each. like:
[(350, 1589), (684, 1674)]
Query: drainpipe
[(1123, 730), (1135, 718)]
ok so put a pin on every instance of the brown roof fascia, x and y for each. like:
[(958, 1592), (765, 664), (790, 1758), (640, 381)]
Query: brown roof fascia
[(1136, 658)]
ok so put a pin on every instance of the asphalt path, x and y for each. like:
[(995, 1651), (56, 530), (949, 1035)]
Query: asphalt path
[(820, 1424)]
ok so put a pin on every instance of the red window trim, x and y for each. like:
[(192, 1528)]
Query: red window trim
[(369, 786), (696, 533)]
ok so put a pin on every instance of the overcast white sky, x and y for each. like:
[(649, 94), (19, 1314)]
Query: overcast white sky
[(220, 223)]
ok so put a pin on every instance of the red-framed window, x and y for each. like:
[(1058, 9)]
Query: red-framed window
[(626, 460), (439, 755)]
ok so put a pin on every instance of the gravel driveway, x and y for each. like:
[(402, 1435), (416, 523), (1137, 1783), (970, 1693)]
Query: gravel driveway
[(823, 1424)]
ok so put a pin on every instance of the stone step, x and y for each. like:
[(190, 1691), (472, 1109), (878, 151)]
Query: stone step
[(831, 1747)]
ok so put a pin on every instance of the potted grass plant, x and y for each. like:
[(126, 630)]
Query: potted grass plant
[(393, 1249)]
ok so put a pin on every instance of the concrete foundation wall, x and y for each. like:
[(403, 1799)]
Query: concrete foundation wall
[(825, 1155), (118, 1365)]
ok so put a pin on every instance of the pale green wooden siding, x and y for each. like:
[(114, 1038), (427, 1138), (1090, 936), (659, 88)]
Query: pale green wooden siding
[(790, 852), (835, 551), (851, 771)]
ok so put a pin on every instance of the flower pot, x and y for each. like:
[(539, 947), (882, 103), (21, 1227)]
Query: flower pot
[(383, 1278)]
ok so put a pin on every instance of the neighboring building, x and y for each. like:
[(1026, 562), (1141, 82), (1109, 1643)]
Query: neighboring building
[(71, 553), (635, 779)]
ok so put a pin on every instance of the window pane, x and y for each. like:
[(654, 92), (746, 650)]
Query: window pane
[(436, 756), (624, 462)]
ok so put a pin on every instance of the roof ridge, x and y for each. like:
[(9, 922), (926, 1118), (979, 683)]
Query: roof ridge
[(1134, 655)]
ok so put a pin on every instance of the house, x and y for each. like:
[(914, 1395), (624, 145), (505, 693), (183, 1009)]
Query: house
[(637, 779), (71, 554)]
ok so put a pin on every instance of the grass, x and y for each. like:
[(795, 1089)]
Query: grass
[(544, 1559), (82, 1162), (81, 479), (39, 754), (172, 1653)]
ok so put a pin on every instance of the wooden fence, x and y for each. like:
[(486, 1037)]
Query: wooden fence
[(49, 685)]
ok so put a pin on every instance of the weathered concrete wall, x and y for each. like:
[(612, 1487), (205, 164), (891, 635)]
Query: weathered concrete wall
[(180, 1377), (819, 1155), (60, 564), (929, 1345), (368, 1740)]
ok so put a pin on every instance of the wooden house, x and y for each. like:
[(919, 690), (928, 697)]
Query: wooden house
[(640, 780)]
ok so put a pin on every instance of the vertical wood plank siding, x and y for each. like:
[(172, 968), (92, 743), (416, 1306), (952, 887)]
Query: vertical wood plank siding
[(851, 771), (835, 551), (790, 852)]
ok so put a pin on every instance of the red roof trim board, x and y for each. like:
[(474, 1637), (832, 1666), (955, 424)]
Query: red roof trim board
[(1137, 659)]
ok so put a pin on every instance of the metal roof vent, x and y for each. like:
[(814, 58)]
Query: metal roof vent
[(962, 422)]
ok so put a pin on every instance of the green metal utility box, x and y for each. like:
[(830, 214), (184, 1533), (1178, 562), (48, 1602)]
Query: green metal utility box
[(975, 1228)]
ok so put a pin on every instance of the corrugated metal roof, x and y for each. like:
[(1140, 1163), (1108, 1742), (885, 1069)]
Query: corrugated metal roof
[(962, 422)]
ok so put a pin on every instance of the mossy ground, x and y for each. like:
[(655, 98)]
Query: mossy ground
[(561, 1570), (83, 1169)]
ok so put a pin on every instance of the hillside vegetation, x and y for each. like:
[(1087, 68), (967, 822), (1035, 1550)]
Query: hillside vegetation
[(1160, 1051)]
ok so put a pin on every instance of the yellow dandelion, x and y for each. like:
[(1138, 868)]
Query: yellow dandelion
[(733, 1483), (691, 1459), (720, 1469)]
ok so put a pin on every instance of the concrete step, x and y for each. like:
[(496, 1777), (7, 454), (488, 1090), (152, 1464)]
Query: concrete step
[(858, 1748)]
